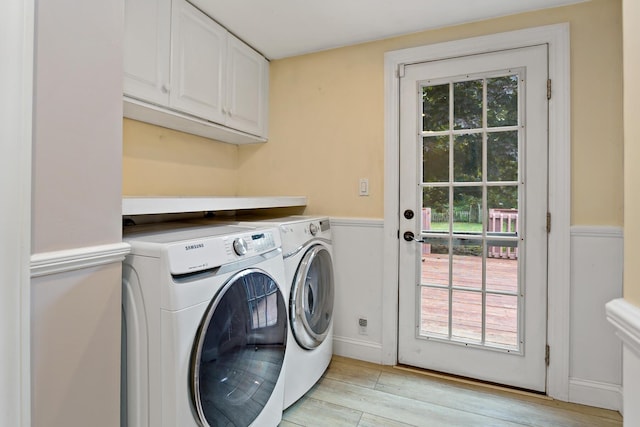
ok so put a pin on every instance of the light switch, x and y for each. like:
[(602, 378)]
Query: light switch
[(364, 186)]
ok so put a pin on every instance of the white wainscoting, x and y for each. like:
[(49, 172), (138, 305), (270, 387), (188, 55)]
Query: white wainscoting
[(625, 317), (595, 367), (358, 261), (75, 336), (595, 374)]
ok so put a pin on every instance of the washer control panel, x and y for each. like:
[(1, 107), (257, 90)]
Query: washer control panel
[(210, 247), (240, 246), (250, 244)]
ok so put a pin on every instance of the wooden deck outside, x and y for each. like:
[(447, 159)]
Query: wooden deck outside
[(501, 310)]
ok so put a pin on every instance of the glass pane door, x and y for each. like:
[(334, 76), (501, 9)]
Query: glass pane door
[(473, 192), (470, 210)]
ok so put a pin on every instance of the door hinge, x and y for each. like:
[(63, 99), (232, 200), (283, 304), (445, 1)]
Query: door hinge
[(548, 222), (547, 351), (400, 71), (548, 88)]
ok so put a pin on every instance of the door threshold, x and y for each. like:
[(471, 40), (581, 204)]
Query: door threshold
[(474, 382)]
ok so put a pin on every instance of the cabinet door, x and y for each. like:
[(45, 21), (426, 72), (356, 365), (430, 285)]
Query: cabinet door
[(146, 50), (248, 88), (197, 66)]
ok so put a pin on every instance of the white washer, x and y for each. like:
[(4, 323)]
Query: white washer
[(308, 263), (206, 326)]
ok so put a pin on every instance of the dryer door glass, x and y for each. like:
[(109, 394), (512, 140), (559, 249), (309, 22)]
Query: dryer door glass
[(239, 350), (312, 298)]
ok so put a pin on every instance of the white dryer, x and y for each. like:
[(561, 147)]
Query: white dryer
[(205, 326), (308, 262)]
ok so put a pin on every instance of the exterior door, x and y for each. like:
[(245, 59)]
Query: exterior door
[(473, 209)]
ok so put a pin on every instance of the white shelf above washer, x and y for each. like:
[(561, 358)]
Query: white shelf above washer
[(170, 205)]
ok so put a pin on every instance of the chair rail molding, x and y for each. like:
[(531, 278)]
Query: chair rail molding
[(55, 262)]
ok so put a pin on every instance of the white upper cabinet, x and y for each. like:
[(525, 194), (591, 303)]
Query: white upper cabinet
[(147, 49), (218, 86), (197, 67), (247, 88)]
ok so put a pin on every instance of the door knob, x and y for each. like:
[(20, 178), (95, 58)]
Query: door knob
[(410, 237), (408, 214)]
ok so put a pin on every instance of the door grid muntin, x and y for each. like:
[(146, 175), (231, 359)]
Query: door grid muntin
[(452, 183)]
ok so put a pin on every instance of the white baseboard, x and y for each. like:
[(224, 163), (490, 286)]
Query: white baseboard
[(55, 262), (594, 393), (357, 349)]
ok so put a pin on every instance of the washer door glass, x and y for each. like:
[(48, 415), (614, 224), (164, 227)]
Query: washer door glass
[(239, 350), (311, 303)]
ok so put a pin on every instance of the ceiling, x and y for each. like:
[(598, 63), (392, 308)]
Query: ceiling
[(283, 28)]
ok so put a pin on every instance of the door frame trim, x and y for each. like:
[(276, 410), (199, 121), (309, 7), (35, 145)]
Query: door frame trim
[(16, 111), (557, 37)]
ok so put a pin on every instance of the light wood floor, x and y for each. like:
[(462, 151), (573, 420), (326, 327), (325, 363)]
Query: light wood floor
[(355, 393)]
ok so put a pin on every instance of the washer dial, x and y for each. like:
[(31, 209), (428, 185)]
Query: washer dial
[(240, 246)]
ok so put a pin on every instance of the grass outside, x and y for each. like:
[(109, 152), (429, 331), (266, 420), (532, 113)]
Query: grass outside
[(459, 227)]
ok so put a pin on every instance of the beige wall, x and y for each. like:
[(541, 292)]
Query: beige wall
[(162, 162), (326, 120), (327, 131), (631, 150)]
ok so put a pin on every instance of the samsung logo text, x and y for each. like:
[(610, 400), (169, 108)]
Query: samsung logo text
[(194, 246)]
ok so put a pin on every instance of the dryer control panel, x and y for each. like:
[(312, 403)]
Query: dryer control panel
[(298, 233)]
